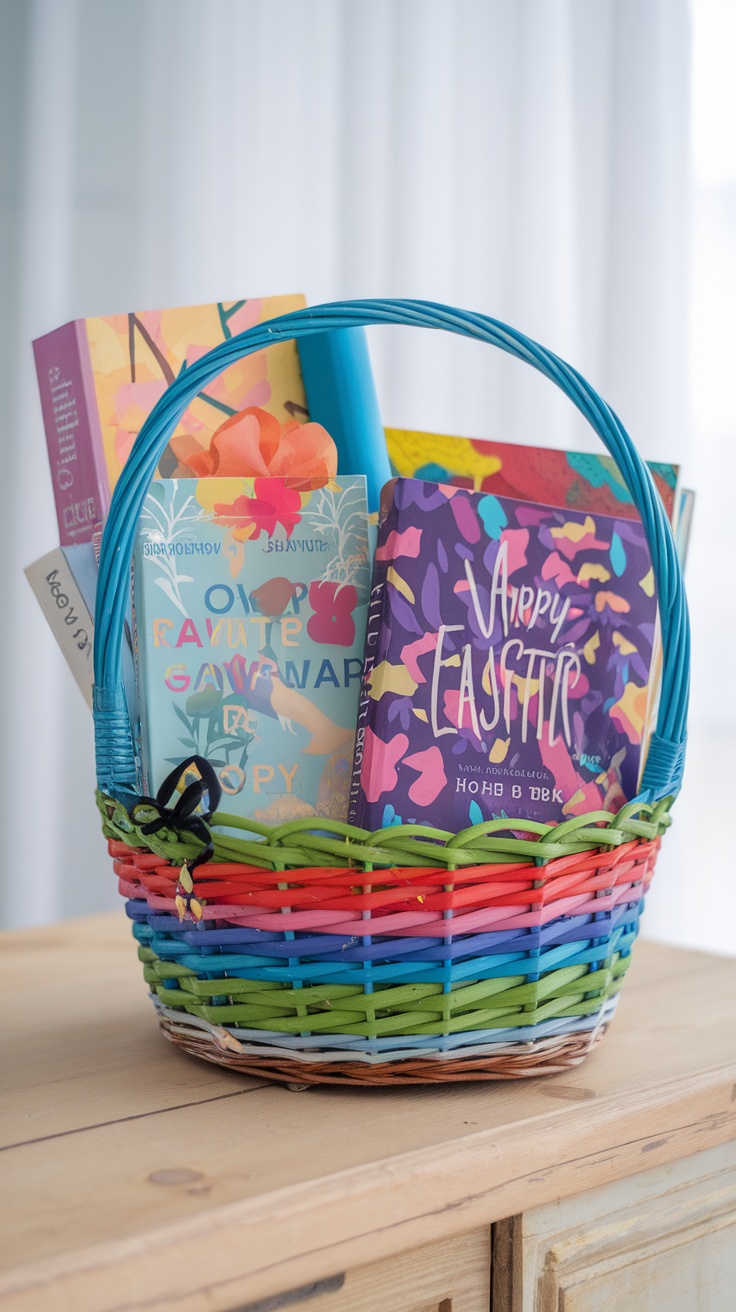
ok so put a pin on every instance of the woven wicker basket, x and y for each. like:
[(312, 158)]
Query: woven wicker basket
[(408, 955)]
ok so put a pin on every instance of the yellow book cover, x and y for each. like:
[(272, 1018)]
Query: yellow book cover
[(100, 378), (134, 358)]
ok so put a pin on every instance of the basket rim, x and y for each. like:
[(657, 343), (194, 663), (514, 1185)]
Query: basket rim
[(314, 843)]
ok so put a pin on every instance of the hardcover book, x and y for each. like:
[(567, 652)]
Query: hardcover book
[(100, 378), (573, 479), (250, 604), (508, 655)]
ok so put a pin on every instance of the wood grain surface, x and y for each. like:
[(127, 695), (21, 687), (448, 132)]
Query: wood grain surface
[(133, 1176)]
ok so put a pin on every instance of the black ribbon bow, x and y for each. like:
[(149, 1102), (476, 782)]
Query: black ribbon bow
[(184, 817)]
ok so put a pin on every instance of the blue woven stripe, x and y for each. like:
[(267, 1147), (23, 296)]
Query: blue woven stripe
[(586, 950), (471, 971)]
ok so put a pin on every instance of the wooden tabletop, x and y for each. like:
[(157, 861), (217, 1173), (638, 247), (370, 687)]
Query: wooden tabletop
[(133, 1176)]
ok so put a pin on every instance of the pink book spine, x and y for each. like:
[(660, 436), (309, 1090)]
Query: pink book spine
[(72, 432)]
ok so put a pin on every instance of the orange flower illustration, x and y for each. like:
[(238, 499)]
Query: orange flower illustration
[(253, 444)]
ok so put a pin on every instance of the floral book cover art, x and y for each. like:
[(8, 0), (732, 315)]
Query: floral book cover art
[(508, 658), (250, 604), (99, 379)]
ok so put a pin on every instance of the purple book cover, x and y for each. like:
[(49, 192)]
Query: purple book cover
[(507, 661)]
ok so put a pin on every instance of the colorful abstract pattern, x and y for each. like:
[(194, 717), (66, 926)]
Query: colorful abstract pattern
[(574, 479), (508, 658)]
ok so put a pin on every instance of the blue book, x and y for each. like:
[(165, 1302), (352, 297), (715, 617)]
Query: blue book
[(250, 605)]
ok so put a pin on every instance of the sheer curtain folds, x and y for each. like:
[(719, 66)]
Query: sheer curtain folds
[(526, 158)]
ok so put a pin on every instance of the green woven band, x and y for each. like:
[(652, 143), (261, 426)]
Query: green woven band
[(404, 1009), (299, 844)]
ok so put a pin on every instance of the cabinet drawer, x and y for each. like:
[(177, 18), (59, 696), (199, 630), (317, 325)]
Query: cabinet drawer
[(452, 1275)]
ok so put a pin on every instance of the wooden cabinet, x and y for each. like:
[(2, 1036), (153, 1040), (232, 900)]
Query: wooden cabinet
[(134, 1178), (662, 1241)]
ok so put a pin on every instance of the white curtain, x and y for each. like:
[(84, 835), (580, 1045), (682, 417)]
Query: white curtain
[(527, 158)]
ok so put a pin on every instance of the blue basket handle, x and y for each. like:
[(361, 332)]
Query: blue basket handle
[(116, 773)]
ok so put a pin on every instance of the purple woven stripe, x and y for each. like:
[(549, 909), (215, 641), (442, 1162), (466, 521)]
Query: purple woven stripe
[(166, 922), (330, 948)]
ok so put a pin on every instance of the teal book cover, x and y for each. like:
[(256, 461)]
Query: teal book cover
[(250, 604)]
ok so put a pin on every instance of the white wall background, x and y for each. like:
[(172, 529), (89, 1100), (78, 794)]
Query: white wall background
[(527, 158)]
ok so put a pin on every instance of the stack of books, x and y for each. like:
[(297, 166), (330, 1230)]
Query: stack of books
[(493, 654), (99, 379), (512, 654), (251, 587)]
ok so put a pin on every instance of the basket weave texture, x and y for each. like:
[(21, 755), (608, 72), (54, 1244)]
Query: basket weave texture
[(410, 955)]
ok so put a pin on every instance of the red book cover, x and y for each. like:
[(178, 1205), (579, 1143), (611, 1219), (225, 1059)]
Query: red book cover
[(575, 480)]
